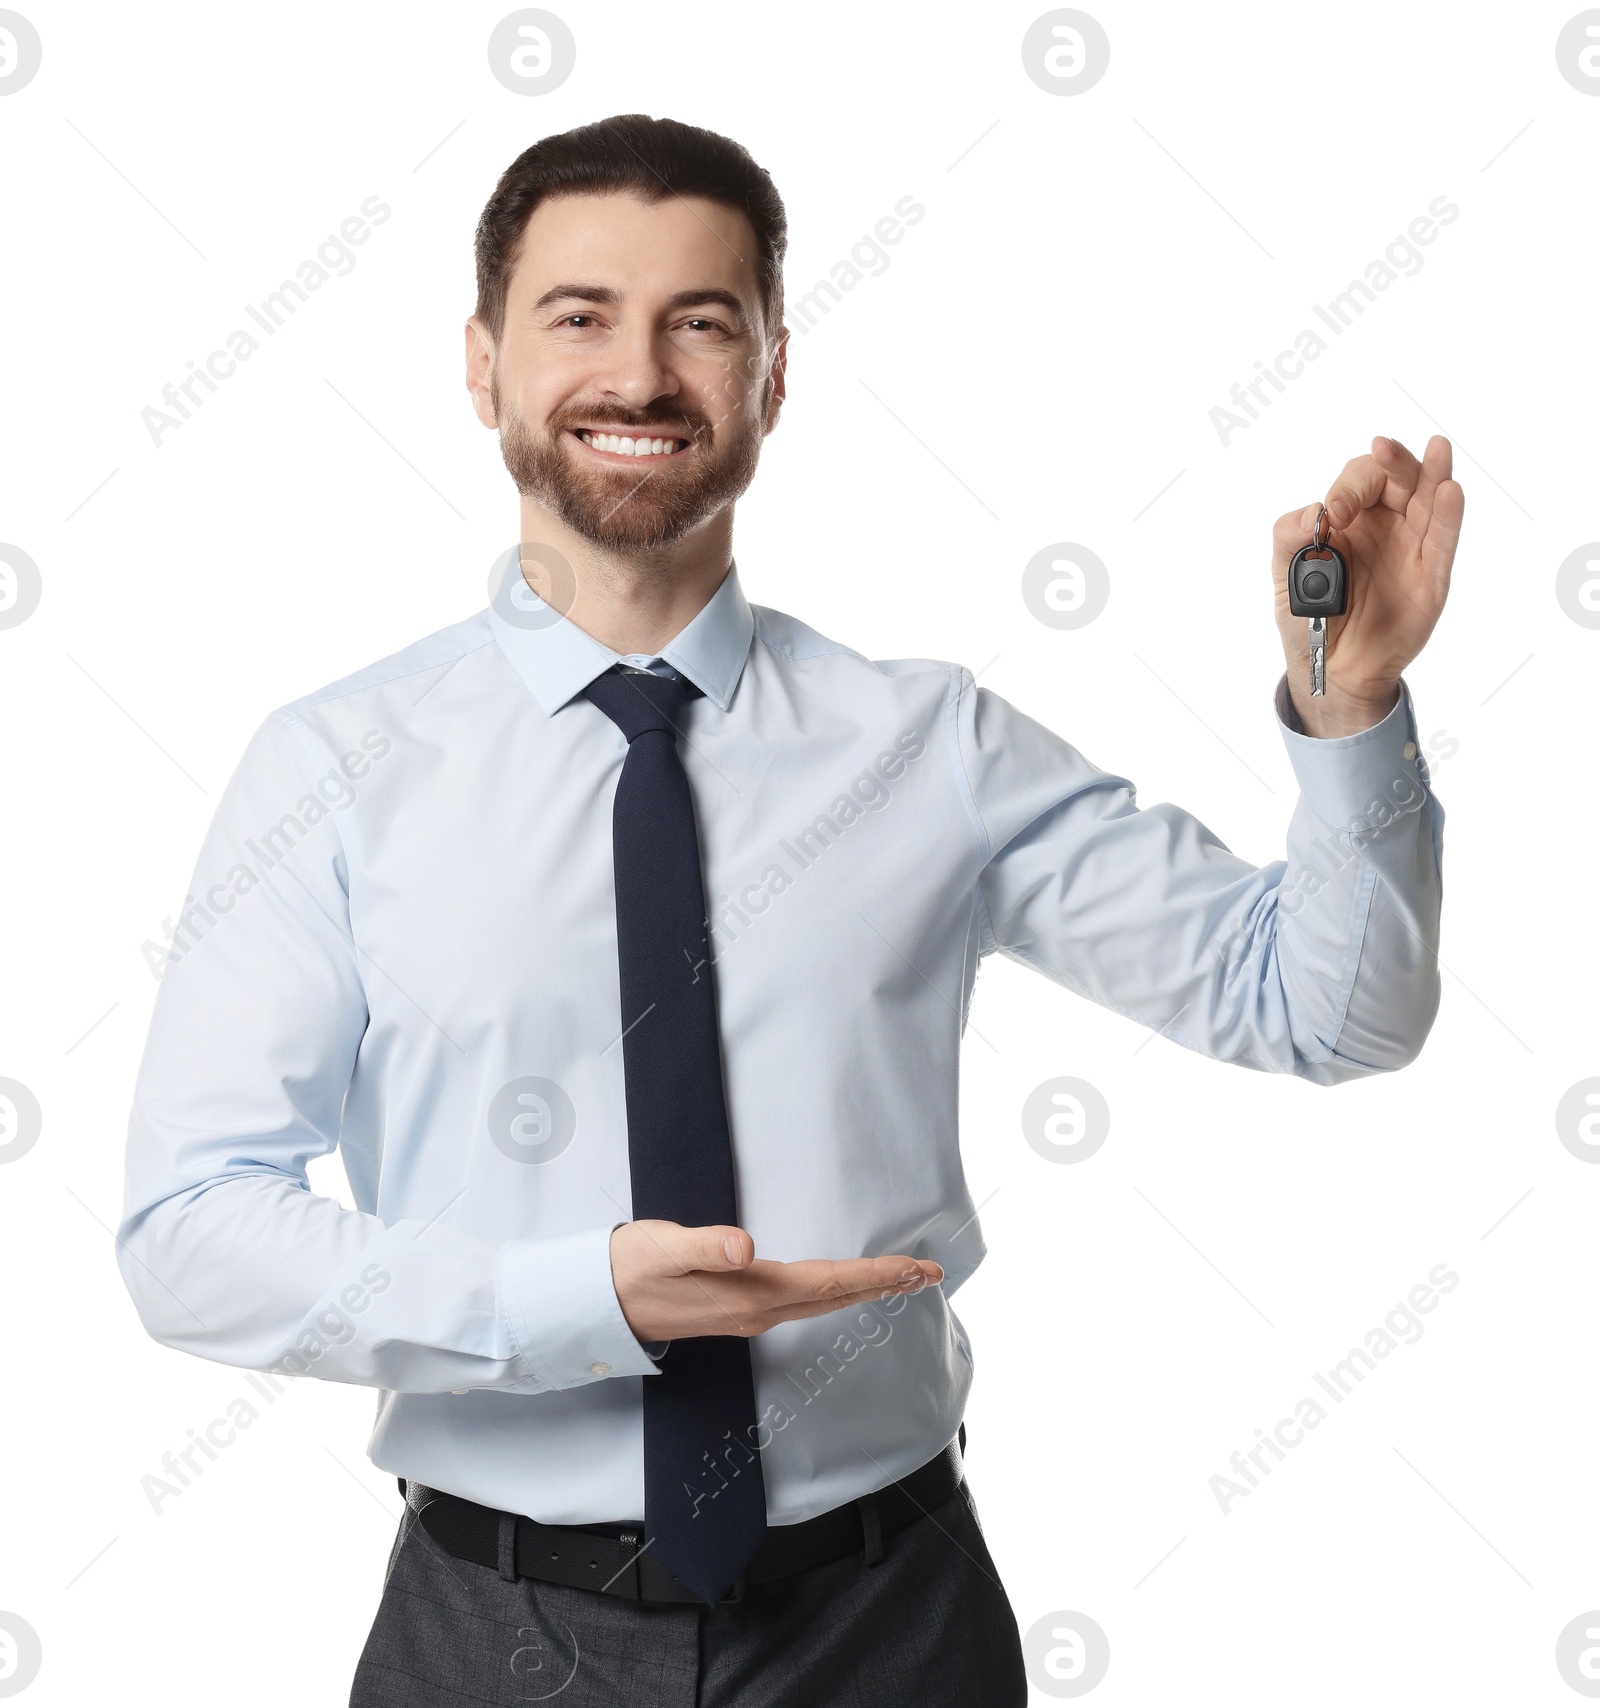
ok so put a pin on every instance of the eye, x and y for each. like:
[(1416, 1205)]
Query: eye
[(696, 322)]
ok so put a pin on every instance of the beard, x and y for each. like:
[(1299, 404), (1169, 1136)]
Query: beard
[(620, 509)]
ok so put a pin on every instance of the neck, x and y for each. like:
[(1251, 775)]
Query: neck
[(634, 602)]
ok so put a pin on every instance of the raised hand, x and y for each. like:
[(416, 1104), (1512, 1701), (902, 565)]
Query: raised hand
[(1396, 522)]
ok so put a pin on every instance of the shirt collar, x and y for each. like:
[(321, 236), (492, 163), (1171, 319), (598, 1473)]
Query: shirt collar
[(557, 660)]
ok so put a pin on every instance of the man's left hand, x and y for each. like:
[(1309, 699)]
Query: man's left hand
[(1395, 522)]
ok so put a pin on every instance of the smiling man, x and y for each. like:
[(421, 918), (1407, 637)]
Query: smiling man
[(627, 966), (629, 478)]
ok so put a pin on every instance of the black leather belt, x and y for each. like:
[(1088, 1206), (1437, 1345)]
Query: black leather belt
[(609, 1559)]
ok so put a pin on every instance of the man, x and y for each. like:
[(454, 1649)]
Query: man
[(620, 937)]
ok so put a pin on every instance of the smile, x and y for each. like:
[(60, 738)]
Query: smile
[(625, 445)]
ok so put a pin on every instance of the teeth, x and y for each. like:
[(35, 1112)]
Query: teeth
[(626, 446)]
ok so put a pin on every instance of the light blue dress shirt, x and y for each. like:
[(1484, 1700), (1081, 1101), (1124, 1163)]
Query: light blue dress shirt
[(400, 941)]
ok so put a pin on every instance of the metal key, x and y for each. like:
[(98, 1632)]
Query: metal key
[(1319, 588)]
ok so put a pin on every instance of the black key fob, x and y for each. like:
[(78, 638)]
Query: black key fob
[(1318, 584)]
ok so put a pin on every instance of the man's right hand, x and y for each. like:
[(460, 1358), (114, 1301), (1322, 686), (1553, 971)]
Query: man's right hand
[(675, 1282)]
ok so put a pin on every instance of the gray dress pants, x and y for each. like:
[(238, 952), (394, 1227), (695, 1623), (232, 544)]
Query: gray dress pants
[(927, 1626)]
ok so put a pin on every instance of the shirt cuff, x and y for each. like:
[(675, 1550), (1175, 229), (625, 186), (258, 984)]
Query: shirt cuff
[(561, 1306), (1345, 777)]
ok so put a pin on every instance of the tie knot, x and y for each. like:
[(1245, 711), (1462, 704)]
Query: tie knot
[(638, 701)]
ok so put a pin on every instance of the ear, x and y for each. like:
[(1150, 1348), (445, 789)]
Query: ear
[(480, 371), (777, 381)]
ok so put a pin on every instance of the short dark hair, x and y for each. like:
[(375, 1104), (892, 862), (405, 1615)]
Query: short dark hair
[(645, 157)]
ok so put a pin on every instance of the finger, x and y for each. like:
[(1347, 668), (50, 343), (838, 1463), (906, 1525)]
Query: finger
[(1436, 465), (721, 1247), (1444, 531), (1361, 484), (820, 1307), (1291, 531), (823, 1278), (681, 1249), (1402, 468)]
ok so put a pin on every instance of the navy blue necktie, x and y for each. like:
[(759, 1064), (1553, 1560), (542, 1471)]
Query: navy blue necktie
[(705, 1505)]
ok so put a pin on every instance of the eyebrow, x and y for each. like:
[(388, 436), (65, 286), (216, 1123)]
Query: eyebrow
[(679, 299)]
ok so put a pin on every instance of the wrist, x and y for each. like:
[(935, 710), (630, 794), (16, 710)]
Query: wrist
[(1340, 712)]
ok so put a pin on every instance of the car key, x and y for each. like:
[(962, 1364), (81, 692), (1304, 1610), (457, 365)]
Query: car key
[(1319, 588)]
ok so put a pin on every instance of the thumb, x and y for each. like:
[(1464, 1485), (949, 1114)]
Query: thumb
[(719, 1247)]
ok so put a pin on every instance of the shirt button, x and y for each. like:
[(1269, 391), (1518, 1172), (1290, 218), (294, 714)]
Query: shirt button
[(1410, 750), (600, 1369)]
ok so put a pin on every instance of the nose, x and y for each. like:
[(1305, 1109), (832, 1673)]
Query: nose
[(634, 370)]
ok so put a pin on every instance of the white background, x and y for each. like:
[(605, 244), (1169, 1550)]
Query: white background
[(1090, 278)]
